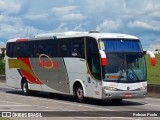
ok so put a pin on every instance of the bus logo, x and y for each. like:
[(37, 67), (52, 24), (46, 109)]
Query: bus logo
[(128, 88), (48, 64)]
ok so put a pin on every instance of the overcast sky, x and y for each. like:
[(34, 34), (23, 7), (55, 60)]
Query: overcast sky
[(136, 17)]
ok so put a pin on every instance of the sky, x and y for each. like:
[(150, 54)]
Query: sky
[(26, 18)]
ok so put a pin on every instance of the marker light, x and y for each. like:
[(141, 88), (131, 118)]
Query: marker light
[(153, 59), (103, 58)]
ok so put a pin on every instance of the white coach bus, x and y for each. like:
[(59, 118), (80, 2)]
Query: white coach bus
[(84, 64)]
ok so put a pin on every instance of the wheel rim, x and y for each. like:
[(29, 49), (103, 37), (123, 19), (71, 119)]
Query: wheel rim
[(24, 87), (80, 93)]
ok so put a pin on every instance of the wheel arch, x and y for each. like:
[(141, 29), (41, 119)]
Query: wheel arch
[(76, 83)]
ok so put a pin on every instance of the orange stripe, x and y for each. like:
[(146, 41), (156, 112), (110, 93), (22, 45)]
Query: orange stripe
[(25, 67)]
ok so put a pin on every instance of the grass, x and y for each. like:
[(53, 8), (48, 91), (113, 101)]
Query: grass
[(153, 73), (4, 118)]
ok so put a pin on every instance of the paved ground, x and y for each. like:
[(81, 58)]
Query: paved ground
[(13, 100)]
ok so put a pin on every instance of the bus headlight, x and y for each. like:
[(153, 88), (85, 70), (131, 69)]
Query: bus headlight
[(143, 88), (110, 88)]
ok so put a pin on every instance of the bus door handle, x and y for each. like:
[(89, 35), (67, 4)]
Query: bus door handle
[(82, 59)]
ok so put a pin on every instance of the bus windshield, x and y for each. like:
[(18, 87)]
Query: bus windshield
[(125, 61), (125, 67)]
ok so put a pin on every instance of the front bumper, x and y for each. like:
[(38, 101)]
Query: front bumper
[(124, 94)]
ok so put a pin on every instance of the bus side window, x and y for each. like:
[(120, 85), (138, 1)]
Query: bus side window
[(39, 49), (10, 49), (77, 48), (19, 49), (65, 48), (29, 47), (51, 49)]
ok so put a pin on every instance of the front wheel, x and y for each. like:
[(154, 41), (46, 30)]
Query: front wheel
[(79, 94), (24, 87)]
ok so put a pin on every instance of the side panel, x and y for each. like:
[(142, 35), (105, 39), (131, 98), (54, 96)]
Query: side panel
[(43, 74), (51, 72), (77, 71), (13, 78)]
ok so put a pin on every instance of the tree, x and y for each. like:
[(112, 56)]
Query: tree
[(157, 50), (3, 53)]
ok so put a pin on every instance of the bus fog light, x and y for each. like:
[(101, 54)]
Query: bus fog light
[(143, 88)]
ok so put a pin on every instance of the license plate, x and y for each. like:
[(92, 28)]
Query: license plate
[(128, 95)]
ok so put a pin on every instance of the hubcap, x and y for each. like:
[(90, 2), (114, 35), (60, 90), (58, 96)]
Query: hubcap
[(80, 93), (25, 87)]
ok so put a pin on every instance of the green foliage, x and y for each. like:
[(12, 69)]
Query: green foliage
[(153, 72), (4, 118), (2, 67), (3, 54)]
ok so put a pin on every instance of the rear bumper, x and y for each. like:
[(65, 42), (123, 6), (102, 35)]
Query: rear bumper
[(124, 94)]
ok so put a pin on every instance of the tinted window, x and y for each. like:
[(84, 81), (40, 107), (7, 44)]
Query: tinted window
[(69, 47), (29, 49), (64, 48), (51, 48), (39, 48), (18, 49), (77, 48), (10, 49)]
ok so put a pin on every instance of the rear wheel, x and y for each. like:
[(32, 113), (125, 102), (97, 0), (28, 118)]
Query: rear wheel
[(116, 101), (79, 94), (24, 87)]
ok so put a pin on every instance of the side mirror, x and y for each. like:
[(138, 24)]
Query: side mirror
[(103, 58), (153, 58), (144, 52)]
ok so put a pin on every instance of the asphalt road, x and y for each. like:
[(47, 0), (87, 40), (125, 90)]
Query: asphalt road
[(64, 107)]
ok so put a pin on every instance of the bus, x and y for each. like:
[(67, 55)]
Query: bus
[(83, 64)]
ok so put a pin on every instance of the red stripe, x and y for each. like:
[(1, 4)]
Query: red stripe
[(29, 77), (22, 40), (25, 60)]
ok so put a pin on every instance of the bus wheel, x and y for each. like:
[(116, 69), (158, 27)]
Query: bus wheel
[(116, 101), (24, 87), (79, 94)]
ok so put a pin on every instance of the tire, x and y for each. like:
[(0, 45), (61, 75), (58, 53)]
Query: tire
[(116, 101), (24, 87), (79, 94)]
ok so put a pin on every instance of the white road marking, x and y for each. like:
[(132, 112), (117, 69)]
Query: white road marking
[(67, 103), (13, 102), (43, 99), (15, 105), (157, 99), (153, 105)]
